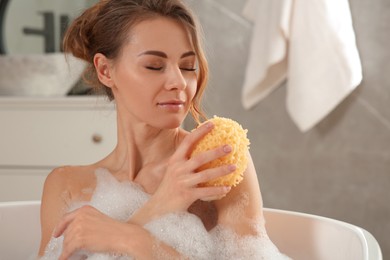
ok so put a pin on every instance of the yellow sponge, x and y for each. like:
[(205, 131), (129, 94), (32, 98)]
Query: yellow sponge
[(225, 131)]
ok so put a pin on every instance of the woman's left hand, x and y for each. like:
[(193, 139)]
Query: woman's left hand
[(89, 229)]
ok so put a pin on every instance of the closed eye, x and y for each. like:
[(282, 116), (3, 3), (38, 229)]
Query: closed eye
[(154, 68), (188, 69)]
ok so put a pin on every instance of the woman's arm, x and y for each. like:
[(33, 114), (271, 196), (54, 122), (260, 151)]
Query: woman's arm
[(242, 206), (88, 229), (240, 233), (53, 204)]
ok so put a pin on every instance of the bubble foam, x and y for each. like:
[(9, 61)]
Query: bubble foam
[(182, 231), (185, 233)]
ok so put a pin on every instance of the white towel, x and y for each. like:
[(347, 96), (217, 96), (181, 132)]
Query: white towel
[(311, 43)]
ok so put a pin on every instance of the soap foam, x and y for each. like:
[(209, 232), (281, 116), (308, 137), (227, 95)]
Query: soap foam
[(185, 233), (118, 200), (182, 231)]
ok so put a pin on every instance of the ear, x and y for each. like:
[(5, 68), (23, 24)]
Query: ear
[(103, 69)]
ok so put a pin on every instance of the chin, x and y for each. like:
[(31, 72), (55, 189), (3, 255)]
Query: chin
[(172, 122)]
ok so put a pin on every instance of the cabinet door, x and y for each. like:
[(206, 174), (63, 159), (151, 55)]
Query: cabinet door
[(49, 138)]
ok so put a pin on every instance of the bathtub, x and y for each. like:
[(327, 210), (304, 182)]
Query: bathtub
[(300, 236)]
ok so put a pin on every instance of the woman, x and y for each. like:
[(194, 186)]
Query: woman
[(147, 56)]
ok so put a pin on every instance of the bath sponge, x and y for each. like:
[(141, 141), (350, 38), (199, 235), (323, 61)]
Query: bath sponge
[(225, 131)]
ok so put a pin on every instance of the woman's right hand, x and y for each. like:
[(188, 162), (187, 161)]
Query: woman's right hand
[(179, 188)]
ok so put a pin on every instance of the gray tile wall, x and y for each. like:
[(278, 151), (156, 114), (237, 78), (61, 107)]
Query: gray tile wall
[(339, 169)]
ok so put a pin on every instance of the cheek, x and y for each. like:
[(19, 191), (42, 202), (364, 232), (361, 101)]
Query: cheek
[(192, 87), (129, 82)]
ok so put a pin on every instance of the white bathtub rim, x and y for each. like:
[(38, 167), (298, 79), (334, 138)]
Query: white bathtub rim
[(371, 246)]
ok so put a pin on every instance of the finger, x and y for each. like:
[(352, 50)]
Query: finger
[(68, 218), (211, 174), (203, 193), (191, 139), (65, 254), (67, 250), (208, 156), (72, 243), (213, 198), (64, 223)]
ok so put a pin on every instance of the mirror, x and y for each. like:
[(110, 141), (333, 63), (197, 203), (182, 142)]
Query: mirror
[(31, 34), (36, 26)]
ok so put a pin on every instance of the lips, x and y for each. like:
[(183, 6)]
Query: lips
[(172, 105)]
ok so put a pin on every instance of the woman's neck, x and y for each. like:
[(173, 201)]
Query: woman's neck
[(140, 144)]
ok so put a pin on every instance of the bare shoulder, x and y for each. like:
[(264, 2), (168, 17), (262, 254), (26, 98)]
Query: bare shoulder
[(64, 183), (243, 204), (61, 187), (58, 179), (56, 187), (71, 177)]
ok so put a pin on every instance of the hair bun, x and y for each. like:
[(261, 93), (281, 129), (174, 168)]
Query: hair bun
[(225, 131)]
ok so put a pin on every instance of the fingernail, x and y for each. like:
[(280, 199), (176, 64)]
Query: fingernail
[(228, 188), (209, 125), (232, 167), (227, 149)]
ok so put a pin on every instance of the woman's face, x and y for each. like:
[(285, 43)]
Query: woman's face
[(154, 79)]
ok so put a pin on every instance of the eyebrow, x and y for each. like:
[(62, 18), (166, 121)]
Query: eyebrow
[(164, 55)]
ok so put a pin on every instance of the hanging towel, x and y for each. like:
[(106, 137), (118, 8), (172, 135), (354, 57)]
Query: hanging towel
[(311, 44)]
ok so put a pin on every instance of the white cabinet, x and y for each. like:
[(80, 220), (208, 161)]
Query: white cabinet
[(37, 135)]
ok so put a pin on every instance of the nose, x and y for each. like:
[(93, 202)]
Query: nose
[(175, 80)]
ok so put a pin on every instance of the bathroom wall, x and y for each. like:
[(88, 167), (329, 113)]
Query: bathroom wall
[(340, 168)]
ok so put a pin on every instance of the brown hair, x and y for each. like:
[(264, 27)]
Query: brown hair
[(104, 27)]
